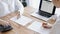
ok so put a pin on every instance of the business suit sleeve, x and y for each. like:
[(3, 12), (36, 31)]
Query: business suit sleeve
[(19, 6)]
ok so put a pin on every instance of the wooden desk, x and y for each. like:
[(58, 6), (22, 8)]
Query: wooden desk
[(28, 11), (17, 29)]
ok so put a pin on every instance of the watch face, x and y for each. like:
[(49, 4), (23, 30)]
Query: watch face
[(47, 6)]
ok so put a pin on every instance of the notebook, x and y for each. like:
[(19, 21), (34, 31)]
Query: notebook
[(23, 20), (37, 26)]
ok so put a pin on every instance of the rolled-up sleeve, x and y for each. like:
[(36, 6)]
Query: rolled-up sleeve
[(19, 6)]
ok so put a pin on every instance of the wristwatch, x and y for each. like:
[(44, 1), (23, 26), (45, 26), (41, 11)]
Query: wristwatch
[(5, 28)]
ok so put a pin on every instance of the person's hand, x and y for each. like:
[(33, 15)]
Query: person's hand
[(0, 32), (18, 15), (15, 14), (4, 23), (56, 3), (45, 25)]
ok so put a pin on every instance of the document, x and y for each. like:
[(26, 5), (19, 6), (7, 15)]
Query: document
[(23, 20), (37, 26)]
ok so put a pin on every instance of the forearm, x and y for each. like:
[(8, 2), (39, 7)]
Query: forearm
[(21, 10), (0, 33)]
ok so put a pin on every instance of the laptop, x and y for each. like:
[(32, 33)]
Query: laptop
[(46, 10)]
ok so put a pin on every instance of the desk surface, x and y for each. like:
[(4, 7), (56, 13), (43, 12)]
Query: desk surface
[(18, 29)]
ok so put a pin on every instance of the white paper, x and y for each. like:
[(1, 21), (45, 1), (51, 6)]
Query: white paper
[(22, 21), (37, 26), (47, 6)]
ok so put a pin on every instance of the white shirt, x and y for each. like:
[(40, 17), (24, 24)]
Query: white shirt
[(57, 11), (56, 27), (13, 5), (3, 9)]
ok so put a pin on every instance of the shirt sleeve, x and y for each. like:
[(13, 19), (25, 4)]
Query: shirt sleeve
[(3, 9), (19, 6), (57, 11)]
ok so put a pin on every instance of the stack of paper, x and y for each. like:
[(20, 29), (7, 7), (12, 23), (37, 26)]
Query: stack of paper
[(23, 20)]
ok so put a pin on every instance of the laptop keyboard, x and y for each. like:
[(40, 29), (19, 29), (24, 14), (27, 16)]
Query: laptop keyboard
[(44, 14)]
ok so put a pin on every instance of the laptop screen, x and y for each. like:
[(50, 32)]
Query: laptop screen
[(47, 6)]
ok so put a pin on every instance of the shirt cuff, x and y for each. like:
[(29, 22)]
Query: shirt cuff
[(21, 12)]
